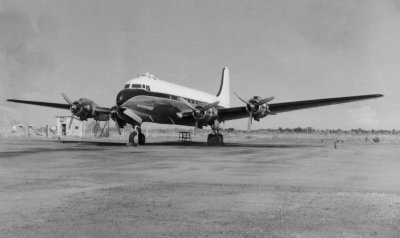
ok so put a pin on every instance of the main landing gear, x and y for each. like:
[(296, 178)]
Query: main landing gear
[(137, 137), (215, 139)]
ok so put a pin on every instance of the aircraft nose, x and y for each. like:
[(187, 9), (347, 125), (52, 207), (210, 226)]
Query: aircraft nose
[(125, 95), (122, 97)]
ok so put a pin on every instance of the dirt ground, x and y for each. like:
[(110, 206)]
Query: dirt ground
[(49, 189)]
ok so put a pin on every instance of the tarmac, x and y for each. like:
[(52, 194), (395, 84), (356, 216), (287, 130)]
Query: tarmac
[(166, 189)]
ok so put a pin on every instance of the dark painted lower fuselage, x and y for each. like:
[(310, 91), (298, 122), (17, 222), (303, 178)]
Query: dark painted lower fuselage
[(157, 107)]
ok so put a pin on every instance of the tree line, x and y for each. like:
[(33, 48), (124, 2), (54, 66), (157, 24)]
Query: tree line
[(310, 130)]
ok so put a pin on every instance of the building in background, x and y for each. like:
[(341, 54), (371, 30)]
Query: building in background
[(63, 128)]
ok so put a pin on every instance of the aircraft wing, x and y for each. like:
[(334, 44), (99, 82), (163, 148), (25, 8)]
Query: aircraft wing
[(98, 110), (102, 110), (241, 112), (43, 104)]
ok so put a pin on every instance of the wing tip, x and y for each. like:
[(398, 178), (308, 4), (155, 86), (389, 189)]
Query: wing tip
[(367, 96)]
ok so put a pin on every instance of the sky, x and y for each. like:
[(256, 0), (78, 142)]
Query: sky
[(293, 50)]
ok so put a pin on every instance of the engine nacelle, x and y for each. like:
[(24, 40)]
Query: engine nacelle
[(205, 116), (83, 108), (257, 111), (261, 113)]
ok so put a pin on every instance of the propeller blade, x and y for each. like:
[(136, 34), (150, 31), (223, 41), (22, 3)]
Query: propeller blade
[(66, 98), (132, 114), (196, 125), (249, 122), (188, 104), (113, 114), (118, 129), (210, 105), (241, 99), (265, 100), (70, 122)]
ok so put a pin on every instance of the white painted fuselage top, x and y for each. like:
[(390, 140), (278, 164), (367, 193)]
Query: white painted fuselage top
[(150, 83)]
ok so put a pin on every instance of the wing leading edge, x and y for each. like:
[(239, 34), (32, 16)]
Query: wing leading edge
[(241, 112)]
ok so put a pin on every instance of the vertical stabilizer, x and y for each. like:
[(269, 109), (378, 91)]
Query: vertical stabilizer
[(224, 90)]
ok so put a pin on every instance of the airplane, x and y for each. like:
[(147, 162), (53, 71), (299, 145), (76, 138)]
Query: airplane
[(149, 99)]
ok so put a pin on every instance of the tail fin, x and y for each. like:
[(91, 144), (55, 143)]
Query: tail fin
[(223, 94)]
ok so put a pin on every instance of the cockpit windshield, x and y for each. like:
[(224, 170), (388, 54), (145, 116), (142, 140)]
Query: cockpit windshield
[(137, 86)]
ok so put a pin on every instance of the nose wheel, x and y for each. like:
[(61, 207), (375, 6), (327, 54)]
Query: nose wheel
[(137, 137), (142, 139), (215, 139)]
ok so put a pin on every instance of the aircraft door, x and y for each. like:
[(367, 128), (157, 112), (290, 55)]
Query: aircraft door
[(63, 129)]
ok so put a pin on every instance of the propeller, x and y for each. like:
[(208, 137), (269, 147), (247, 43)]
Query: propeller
[(83, 108), (198, 111), (253, 106), (67, 99), (114, 115), (73, 108)]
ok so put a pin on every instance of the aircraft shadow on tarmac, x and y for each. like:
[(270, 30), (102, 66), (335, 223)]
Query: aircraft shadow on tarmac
[(200, 144)]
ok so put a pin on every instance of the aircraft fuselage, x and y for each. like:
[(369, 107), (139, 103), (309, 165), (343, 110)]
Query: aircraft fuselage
[(159, 101)]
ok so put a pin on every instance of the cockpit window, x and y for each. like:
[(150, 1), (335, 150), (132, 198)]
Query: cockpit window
[(139, 86)]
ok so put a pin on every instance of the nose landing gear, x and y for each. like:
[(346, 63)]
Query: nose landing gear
[(215, 139), (137, 137)]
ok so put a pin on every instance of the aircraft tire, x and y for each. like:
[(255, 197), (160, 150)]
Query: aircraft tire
[(210, 139), (219, 139), (132, 140), (142, 139)]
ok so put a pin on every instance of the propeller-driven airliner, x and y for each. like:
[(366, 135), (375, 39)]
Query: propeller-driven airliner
[(149, 99)]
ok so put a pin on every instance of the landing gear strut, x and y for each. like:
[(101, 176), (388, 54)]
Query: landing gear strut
[(216, 138), (137, 137)]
